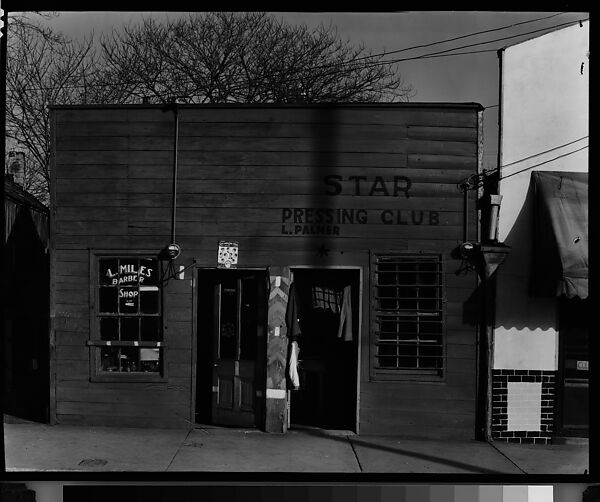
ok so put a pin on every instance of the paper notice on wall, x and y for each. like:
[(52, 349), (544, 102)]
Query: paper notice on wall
[(228, 254)]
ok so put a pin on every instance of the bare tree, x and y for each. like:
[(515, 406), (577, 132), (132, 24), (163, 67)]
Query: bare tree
[(207, 58), (244, 57), (42, 68)]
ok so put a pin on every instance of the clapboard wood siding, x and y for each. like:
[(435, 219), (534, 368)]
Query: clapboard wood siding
[(242, 170), (194, 172), (248, 200)]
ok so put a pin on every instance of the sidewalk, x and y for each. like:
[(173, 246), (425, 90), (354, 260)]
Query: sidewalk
[(40, 447)]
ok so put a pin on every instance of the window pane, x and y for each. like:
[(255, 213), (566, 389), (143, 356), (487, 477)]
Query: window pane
[(109, 271), (130, 359), (149, 299), (109, 359), (408, 363), (108, 300), (130, 328), (109, 328), (148, 272), (407, 304), (150, 360), (128, 272), (407, 292), (249, 319), (407, 350), (387, 356), (150, 329), (228, 319), (128, 300)]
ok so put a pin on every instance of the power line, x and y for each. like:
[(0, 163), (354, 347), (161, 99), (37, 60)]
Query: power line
[(444, 53), (542, 153), (425, 56), (545, 162), (477, 180), (422, 46)]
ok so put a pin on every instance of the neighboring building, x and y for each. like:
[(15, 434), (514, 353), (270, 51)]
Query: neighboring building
[(541, 351), (26, 283), (358, 206)]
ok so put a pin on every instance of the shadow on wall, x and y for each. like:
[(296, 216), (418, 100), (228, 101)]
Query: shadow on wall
[(324, 161), (515, 307)]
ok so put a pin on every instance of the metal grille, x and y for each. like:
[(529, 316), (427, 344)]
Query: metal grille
[(409, 314)]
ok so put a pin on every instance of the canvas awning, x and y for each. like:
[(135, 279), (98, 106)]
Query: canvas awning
[(560, 257)]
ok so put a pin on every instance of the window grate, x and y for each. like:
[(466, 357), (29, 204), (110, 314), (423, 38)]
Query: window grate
[(408, 315)]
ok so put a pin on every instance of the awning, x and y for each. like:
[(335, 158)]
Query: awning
[(560, 258)]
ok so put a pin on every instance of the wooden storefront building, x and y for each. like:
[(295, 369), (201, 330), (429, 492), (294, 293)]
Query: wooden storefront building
[(352, 214)]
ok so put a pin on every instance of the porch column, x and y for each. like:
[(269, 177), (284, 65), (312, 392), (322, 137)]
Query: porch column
[(277, 342)]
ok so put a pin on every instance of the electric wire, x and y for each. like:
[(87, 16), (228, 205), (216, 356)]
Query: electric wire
[(476, 181), (392, 61), (422, 46), (545, 162), (444, 53)]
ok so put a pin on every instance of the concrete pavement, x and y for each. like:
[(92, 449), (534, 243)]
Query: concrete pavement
[(40, 447)]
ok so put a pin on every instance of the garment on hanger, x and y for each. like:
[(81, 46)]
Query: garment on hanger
[(292, 316), (345, 326), (293, 365)]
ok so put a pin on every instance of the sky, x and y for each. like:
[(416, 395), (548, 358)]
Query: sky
[(461, 78)]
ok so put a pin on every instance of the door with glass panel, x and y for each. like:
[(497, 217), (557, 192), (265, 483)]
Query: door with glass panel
[(237, 331)]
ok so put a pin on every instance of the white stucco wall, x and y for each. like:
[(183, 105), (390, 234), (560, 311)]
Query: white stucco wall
[(544, 117)]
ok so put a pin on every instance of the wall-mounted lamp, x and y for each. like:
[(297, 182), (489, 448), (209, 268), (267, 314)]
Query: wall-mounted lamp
[(171, 252), (467, 250)]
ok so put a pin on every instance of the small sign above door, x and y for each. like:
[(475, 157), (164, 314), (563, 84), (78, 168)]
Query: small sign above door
[(228, 254)]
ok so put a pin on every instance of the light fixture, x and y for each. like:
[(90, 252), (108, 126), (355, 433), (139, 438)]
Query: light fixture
[(170, 252), (466, 250)]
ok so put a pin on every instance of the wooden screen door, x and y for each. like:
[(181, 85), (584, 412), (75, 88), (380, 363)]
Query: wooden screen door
[(238, 335)]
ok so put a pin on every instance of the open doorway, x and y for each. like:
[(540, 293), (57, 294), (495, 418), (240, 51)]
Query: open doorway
[(328, 357)]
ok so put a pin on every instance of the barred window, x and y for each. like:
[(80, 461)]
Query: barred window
[(407, 316), (128, 321)]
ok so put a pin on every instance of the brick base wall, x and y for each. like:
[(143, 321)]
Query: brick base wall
[(544, 406)]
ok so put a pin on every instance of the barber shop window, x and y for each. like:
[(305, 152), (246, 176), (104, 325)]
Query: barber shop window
[(127, 341), (407, 317)]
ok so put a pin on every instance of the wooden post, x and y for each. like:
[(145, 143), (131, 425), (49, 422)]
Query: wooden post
[(276, 393)]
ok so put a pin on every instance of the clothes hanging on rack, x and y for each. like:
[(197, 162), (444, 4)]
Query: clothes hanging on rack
[(291, 315), (293, 366), (345, 326)]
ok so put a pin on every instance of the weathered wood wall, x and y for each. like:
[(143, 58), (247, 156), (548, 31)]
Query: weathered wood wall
[(242, 172)]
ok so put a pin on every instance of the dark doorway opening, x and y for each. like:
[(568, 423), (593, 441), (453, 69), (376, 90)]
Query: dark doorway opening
[(573, 401), (26, 349), (231, 347), (328, 357)]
